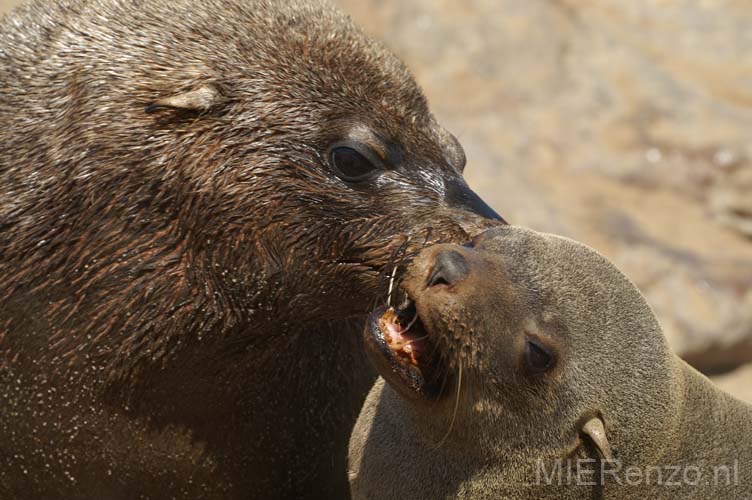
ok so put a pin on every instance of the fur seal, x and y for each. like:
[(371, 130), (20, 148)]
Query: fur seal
[(199, 204), (525, 366)]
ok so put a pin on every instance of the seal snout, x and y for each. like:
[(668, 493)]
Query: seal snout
[(399, 342)]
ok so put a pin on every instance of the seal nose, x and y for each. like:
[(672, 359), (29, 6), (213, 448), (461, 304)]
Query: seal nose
[(449, 268), (459, 194)]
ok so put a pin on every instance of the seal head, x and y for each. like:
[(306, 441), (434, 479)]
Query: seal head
[(200, 202), (533, 352)]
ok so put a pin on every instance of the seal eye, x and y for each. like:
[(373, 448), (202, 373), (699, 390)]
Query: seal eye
[(538, 358), (351, 164)]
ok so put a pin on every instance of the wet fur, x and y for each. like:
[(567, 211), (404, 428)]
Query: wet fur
[(181, 289), (614, 364)]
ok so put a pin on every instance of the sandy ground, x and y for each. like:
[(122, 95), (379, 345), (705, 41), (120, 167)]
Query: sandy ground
[(625, 125)]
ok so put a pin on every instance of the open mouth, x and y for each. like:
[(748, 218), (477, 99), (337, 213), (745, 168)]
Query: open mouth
[(403, 351)]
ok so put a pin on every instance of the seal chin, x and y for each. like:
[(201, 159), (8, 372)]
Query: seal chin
[(403, 352)]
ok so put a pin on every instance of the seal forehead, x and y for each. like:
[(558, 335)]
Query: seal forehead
[(316, 43), (276, 52)]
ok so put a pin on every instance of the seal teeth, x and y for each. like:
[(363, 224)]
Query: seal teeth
[(404, 354), (407, 313), (406, 302)]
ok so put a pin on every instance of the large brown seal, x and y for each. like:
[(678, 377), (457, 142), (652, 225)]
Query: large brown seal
[(527, 367), (199, 203)]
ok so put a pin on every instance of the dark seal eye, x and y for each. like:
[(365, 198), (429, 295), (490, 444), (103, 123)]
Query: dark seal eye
[(538, 357), (353, 163)]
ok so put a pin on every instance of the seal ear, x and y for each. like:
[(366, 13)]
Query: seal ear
[(596, 432), (202, 99)]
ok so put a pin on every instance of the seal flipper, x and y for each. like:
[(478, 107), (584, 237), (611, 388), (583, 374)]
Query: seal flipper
[(596, 432)]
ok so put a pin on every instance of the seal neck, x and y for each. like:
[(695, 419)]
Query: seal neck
[(710, 421)]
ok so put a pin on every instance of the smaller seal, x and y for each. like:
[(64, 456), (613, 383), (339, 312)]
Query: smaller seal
[(526, 366)]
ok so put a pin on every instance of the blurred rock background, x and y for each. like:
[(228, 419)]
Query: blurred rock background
[(624, 124)]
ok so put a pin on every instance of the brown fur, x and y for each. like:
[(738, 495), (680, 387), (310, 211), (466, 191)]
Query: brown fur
[(485, 438), (182, 275)]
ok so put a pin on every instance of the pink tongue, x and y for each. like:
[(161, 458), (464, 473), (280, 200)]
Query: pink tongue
[(395, 338), (398, 337)]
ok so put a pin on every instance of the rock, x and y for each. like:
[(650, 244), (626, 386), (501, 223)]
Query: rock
[(731, 202), (625, 125)]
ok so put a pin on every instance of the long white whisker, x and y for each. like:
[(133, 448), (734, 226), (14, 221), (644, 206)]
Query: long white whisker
[(456, 406), (391, 287)]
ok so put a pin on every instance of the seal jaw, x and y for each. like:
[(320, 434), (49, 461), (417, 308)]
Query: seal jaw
[(402, 351)]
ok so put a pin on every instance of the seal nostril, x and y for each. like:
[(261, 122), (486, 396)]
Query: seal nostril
[(450, 268), (437, 279)]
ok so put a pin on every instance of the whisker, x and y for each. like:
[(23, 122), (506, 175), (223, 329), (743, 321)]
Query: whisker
[(396, 260), (456, 407), (391, 288), (410, 324), (418, 339), (390, 264), (443, 373), (444, 377), (433, 351), (428, 236)]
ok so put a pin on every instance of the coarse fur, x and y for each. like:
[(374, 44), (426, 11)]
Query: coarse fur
[(505, 432), (182, 273)]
